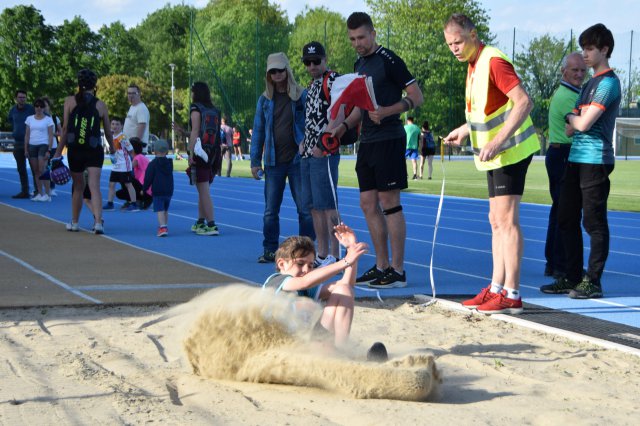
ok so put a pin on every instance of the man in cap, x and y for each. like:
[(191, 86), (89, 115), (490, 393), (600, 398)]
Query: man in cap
[(319, 172), (278, 130)]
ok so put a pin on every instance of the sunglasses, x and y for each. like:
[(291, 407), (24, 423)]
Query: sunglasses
[(308, 62), (276, 71)]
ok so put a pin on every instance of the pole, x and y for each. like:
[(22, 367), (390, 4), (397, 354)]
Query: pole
[(513, 45), (173, 88), (630, 61)]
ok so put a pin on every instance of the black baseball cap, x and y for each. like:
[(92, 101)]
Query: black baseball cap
[(313, 50)]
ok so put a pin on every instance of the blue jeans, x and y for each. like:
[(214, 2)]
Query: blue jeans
[(275, 181), (556, 163)]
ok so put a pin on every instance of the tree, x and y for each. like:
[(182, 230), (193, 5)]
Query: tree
[(539, 69), (236, 38), (330, 29), (25, 56), (413, 29), (120, 51)]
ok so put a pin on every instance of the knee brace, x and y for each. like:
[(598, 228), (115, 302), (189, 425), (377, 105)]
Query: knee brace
[(392, 210)]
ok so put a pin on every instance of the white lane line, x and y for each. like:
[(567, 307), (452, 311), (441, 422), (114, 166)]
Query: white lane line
[(147, 287), (50, 278)]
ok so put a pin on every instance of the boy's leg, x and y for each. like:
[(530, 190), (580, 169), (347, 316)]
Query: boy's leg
[(112, 192), (130, 189), (337, 315)]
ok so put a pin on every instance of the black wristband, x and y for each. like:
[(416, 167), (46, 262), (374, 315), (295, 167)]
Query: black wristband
[(346, 125)]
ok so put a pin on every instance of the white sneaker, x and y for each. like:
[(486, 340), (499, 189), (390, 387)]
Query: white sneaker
[(36, 197), (72, 227), (54, 193), (325, 262), (45, 198)]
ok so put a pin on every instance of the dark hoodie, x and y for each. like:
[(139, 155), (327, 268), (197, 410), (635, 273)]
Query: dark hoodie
[(159, 176)]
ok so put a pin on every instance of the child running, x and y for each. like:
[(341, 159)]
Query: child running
[(159, 174), (294, 262)]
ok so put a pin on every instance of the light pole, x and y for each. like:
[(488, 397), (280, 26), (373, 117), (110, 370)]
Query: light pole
[(173, 88)]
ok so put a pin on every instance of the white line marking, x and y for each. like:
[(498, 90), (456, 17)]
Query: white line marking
[(50, 278)]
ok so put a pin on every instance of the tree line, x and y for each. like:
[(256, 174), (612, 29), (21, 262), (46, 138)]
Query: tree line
[(226, 44)]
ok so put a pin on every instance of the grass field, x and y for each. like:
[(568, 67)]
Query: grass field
[(463, 180)]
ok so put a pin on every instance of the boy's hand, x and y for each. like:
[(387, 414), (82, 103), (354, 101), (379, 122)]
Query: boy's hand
[(345, 235), (355, 251)]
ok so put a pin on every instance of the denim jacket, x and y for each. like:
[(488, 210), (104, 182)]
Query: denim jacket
[(262, 137)]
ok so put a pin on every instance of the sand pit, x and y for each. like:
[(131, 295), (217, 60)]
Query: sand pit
[(95, 365), (248, 334)]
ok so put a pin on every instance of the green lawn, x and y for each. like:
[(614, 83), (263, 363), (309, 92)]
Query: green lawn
[(463, 180)]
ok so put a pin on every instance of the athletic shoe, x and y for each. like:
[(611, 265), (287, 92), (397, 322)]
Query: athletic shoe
[(501, 305), (319, 263), (267, 257), (44, 198), (54, 193), (207, 230), (196, 226), (20, 196), (587, 289), (377, 353), (414, 177), (108, 207), (36, 197), (370, 275), (98, 228), (390, 278), (125, 206), (163, 231), (132, 208), (72, 227), (484, 296), (559, 286)]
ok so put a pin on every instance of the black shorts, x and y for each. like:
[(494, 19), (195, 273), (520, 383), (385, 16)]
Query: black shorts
[(80, 159), (508, 180), (120, 177), (381, 165), (426, 152)]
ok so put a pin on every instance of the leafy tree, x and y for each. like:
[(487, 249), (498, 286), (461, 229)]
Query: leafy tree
[(77, 47), (164, 39), (330, 29), (539, 69), (237, 37), (413, 29), (25, 56), (120, 51)]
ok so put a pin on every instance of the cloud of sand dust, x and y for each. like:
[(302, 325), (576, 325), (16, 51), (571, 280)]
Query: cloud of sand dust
[(245, 333)]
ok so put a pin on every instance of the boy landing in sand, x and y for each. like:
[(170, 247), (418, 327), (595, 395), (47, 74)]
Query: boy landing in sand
[(294, 263)]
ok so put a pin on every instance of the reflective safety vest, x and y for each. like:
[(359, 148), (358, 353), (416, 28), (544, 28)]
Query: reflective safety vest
[(483, 128)]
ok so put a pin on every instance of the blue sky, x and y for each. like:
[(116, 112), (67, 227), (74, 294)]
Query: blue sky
[(531, 18)]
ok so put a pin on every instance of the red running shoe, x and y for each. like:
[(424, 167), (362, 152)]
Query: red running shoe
[(484, 296), (501, 305)]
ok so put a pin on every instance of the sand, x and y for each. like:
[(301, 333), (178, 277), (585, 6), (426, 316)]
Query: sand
[(120, 365)]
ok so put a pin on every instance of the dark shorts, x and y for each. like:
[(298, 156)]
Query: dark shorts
[(426, 152), (508, 180), (204, 172), (120, 177), (381, 165), (161, 203), (80, 159), (38, 151)]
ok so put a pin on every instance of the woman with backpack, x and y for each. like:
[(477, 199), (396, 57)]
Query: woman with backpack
[(205, 129), (83, 113)]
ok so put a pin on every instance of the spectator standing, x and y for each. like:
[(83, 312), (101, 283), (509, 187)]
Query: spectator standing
[(17, 117), (427, 150), (591, 160), (413, 136), (562, 102), (136, 124), (159, 174), (380, 164), (85, 111), (504, 141), (57, 131), (38, 140), (278, 130), (227, 143), (319, 173), (237, 144)]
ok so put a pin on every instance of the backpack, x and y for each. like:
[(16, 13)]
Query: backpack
[(84, 125), (350, 136), (209, 131), (429, 143)]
